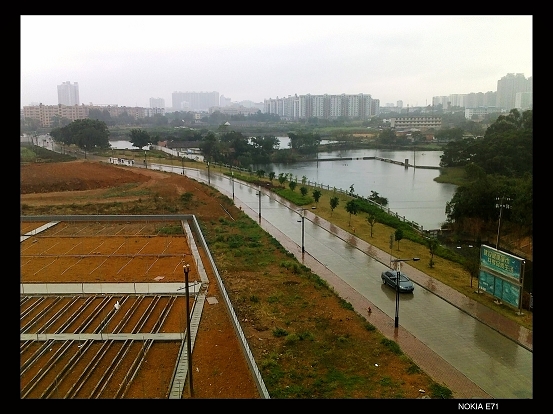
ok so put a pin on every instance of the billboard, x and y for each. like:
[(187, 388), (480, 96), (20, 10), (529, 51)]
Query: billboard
[(501, 275)]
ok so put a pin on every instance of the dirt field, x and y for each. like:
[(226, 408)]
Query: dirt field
[(219, 368), (78, 252)]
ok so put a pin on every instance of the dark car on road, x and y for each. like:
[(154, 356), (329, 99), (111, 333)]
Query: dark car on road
[(389, 277)]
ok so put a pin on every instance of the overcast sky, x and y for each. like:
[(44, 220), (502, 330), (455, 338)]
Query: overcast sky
[(126, 60)]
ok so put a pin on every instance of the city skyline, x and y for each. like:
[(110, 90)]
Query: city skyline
[(118, 60)]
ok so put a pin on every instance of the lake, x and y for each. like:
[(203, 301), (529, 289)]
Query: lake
[(411, 192)]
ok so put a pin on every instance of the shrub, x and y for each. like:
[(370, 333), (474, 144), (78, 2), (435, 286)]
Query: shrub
[(440, 391), (279, 332), (392, 346)]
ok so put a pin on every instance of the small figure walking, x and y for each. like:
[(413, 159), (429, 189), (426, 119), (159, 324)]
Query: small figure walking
[(369, 310)]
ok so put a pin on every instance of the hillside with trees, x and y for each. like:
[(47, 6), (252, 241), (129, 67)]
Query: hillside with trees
[(499, 170)]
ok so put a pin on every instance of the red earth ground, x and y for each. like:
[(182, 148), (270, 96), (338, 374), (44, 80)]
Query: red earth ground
[(219, 366)]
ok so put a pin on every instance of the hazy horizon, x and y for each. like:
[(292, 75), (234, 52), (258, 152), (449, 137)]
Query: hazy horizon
[(126, 60)]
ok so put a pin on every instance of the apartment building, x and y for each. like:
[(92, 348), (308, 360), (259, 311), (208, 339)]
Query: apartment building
[(157, 103), (323, 106), (417, 122), (513, 91), (508, 87), (194, 101), (68, 94), (47, 114)]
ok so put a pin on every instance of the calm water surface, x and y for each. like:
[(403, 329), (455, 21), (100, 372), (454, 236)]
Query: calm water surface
[(412, 193)]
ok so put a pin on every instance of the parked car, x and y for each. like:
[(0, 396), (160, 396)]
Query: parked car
[(389, 277)]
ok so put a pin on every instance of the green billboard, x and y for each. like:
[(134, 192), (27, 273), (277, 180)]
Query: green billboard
[(501, 275)]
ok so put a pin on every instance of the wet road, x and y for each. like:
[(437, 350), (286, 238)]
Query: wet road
[(498, 365)]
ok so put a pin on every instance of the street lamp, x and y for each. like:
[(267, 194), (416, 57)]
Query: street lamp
[(501, 202), (398, 279), (208, 174), (232, 174), (186, 269), (302, 230), (259, 194), (145, 163)]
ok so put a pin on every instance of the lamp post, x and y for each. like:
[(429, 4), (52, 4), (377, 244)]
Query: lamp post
[(232, 174), (208, 174), (500, 203), (302, 230), (182, 163), (398, 279), (186, 269), (259, 194), (145, 163)]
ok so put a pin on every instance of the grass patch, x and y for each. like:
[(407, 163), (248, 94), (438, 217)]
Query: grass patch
[(279, 332), (440, 391), (392, 346), (170, 229)]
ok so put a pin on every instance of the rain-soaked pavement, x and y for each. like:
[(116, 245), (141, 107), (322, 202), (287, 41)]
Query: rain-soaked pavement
[(471, 349)]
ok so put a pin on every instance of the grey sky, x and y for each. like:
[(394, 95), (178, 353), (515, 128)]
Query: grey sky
[(126, 60)]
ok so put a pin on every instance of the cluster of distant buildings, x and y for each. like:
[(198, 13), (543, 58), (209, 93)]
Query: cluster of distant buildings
[(513, 91)]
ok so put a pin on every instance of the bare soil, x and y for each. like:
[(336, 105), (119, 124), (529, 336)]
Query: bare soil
[(219, 368)]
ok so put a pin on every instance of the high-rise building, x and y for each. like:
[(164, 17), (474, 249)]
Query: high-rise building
[(508, 87), (157, 103), (68, 94), (223, 101), (323, 106), (194, 101)]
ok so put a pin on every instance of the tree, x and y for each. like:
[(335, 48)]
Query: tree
[(304, 142), (351, 208), (282, 178), (333, 204), (84, 133), (398, 236), (292, 185), (351, 190), (317, 195), (383, 201), (372, 220), (432, 244), (303, 190), (387, 136), (261, 173), (209, 146), (140, 138), (271, 176)]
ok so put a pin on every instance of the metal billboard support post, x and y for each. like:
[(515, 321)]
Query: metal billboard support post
[(520, 313)]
